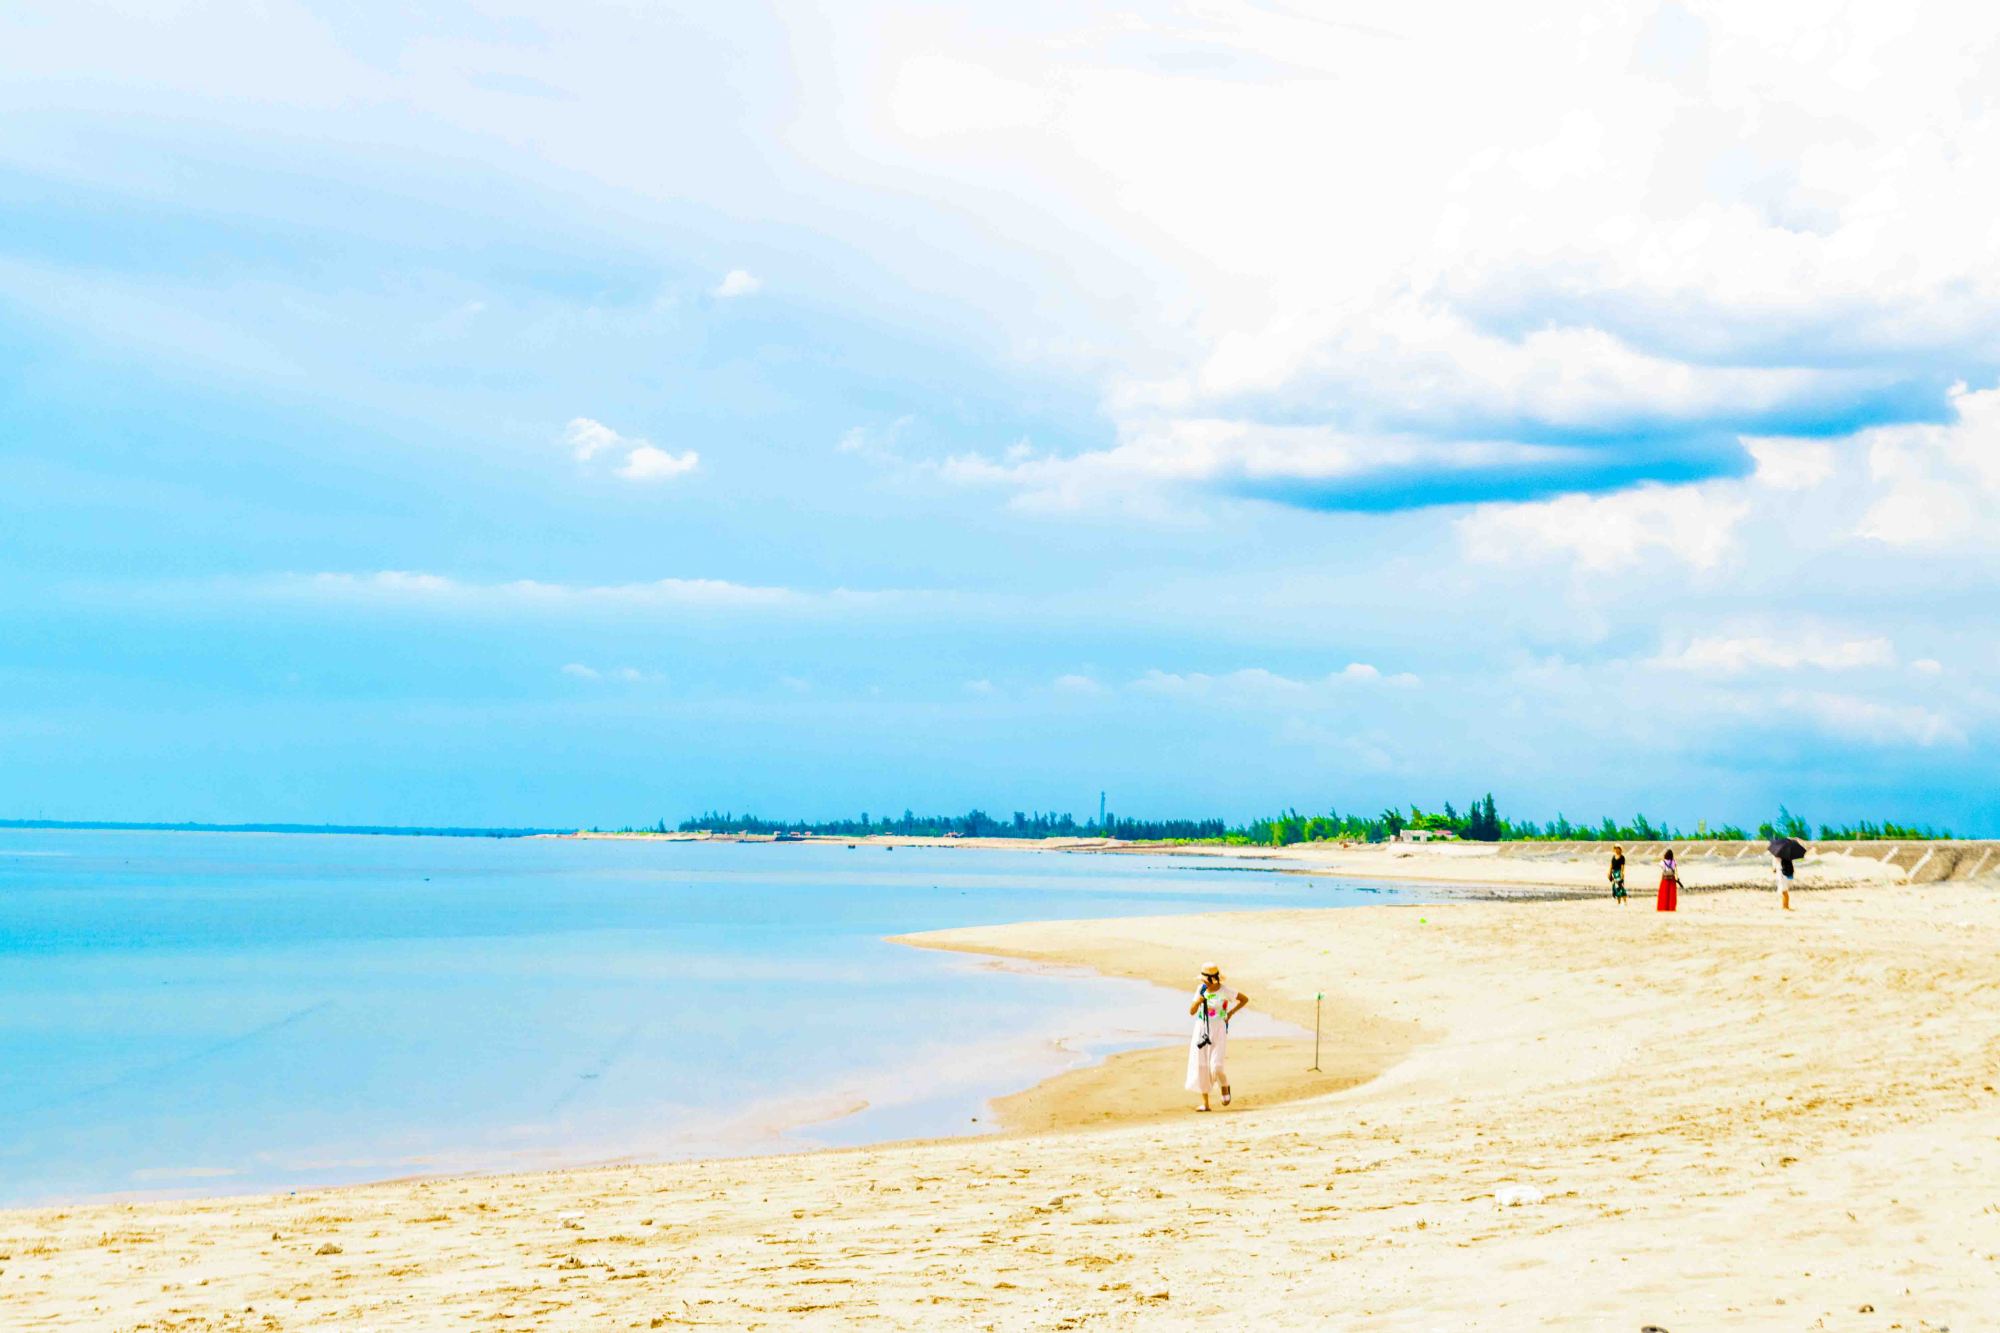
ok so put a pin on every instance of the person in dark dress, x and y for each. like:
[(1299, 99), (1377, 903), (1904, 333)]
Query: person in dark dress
[(1618, 875)]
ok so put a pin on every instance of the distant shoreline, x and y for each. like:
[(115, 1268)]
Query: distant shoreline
[(1497, 869), (359, 830), (1512, 869)]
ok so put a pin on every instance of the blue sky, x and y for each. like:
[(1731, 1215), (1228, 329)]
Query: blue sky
[(512, 413)]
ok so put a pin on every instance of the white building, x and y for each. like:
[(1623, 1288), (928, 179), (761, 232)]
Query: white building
[(1426, 835)]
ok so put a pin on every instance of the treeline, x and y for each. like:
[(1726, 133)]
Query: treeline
[(1481, 821), (1864, 831), (971, 824)]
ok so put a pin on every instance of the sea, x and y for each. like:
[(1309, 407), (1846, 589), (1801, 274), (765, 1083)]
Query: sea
[(189, 1014)]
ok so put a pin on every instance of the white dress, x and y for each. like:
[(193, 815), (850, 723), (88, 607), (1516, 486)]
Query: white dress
[(1206, 1064)]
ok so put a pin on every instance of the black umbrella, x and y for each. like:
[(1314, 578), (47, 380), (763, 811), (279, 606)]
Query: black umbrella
[(1787, 849)]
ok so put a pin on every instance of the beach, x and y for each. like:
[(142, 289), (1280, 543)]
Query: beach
[(1720, 1118)]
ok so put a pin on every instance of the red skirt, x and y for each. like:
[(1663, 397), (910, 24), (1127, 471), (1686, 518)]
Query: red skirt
[(1670, 889)]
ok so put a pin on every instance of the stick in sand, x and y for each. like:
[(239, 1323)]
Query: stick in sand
[(1317, 997)]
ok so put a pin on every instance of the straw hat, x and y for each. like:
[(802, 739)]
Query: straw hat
[(1210, 970)]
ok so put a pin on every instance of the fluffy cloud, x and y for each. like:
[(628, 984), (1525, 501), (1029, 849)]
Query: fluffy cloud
[(1938, 483), (646, 463), (589, 438), (1917, 489), (643, 460), (1791, 465), (1731, 656), (1634, 233), (1694, 525), (1663, 231)]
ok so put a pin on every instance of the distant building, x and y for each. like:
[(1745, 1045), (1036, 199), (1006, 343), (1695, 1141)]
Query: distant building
[(1426, 835)]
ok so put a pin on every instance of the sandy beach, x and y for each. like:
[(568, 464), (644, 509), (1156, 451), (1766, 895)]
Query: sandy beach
[(1724, 1118)]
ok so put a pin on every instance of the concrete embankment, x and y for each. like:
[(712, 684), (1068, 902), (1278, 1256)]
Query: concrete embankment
[(1898, 862)]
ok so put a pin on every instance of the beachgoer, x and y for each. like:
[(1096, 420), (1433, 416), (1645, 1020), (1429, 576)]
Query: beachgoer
[(1781, 875), (1617, 874), (1670, 883), (1208, 1047)]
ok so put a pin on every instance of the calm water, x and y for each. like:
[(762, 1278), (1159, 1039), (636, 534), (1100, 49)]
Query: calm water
[(202, 1013)]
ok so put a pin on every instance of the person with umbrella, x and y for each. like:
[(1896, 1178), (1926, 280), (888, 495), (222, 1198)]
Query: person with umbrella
[(1786, 852)]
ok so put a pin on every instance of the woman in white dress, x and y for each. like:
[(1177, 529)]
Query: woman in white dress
[(1208, 1048)]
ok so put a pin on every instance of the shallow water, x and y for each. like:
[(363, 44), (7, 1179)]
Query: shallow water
[(189, 1013)]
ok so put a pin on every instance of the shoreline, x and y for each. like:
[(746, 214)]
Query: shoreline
[(1497, 870), (1145, 1085), (1811, 1095)]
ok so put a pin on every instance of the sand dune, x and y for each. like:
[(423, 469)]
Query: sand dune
[(1732, 1119)]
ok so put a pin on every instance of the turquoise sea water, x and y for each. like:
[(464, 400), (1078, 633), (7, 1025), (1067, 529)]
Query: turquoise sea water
[(186, 1013)]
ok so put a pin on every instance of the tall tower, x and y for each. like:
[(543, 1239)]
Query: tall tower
[(1100, 812)]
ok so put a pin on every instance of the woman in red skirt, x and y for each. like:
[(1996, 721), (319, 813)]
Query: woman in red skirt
[(1670, 883)]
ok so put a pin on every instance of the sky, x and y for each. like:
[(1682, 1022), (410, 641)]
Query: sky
[(488, 412)]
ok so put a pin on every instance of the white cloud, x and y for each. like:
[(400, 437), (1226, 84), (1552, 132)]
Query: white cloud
[(1927, 666), (646, 463), (877, 444), (1873, 721), (1255, 458), (981, 687), (1626, 239), (1256, 684), (1074, 684), (388, 582), (1244, 682), (390, 587), (1892, 501), (1694, 525), (1629, 224), (1731, 656), (643, 460), (1791, 465), (629, 675), (1938, 483), (590, 438), (936, 97)]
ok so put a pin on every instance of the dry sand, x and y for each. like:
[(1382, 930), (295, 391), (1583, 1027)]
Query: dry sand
[(1498, 868), (1736, 1120)]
